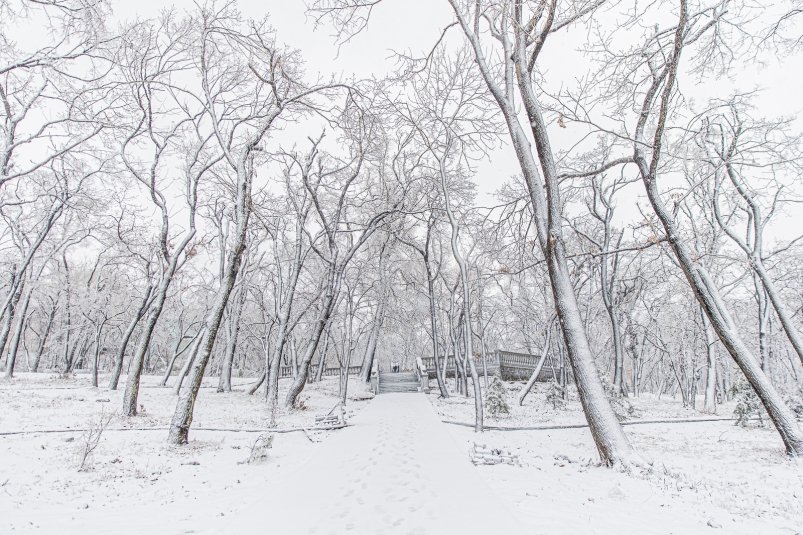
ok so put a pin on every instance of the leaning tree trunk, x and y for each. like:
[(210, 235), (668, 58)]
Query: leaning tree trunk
[(118, 362), (467, 336), (43, 340), (191, 356), (710, 300), (182, 418), (710, 400), (330, 296), (224, 381), (323, 350), (780, 308), (756, 261), (138, 359), (538, 366), (96, 356), (177, 352), (434, 326), (609, 437), (373, 339), (15, 340), (11, 309), (702, 285)]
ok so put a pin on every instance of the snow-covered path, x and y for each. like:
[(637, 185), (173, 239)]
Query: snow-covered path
[(397, 470)]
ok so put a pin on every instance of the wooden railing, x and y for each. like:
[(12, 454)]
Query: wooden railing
[(491, 363), (287, 371), (507, 364)]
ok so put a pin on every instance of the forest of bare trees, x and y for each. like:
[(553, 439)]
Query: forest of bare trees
[(180, 197)]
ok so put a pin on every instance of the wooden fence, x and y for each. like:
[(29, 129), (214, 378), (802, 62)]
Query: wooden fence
[(287, 371), (509, 365)]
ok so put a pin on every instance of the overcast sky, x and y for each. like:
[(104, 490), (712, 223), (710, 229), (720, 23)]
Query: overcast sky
[(404, 25)]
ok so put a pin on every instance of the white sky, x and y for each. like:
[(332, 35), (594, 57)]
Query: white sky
[(414, 25)]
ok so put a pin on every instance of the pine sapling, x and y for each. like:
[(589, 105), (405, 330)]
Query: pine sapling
[(496, 399)]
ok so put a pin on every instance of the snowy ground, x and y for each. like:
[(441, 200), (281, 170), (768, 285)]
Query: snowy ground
[(385, 472), (134, 477), (706, 478)]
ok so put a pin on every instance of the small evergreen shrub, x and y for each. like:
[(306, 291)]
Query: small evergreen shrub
[(747, 404), (496, 399), (555, 395)]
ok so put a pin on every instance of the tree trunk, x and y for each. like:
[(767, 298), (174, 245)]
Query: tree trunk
[(539, 365), (15, 340), (96, 356), (117, 369), (176, 354), (11, 309), (373, 339), (138, 359), (182, 418), (324, 348), (43, 340), (710, 400), (461, 264), (330, 296), (780, 309), (441, 377), (609, 437), (224, 381), (283, 327), (191, 356), (710, 300)]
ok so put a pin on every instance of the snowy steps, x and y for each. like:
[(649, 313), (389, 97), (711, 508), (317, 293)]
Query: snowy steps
[(398, 382)]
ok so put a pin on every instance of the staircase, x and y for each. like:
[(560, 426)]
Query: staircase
[(399, 382)]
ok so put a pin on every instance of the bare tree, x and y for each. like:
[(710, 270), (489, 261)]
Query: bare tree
[(658, 96), (150, 59), (244, 102)]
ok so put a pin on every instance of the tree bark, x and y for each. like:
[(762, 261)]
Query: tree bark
[(710, 400), (609, 437), (11, 309), (539, 365), (373, 339), (118, 362), (433, 321), (331, 293), (182, 418), (43, 340), (191, 356), (461, 264), (176, 354), (702, 285), (15, 340), (224, 381)]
